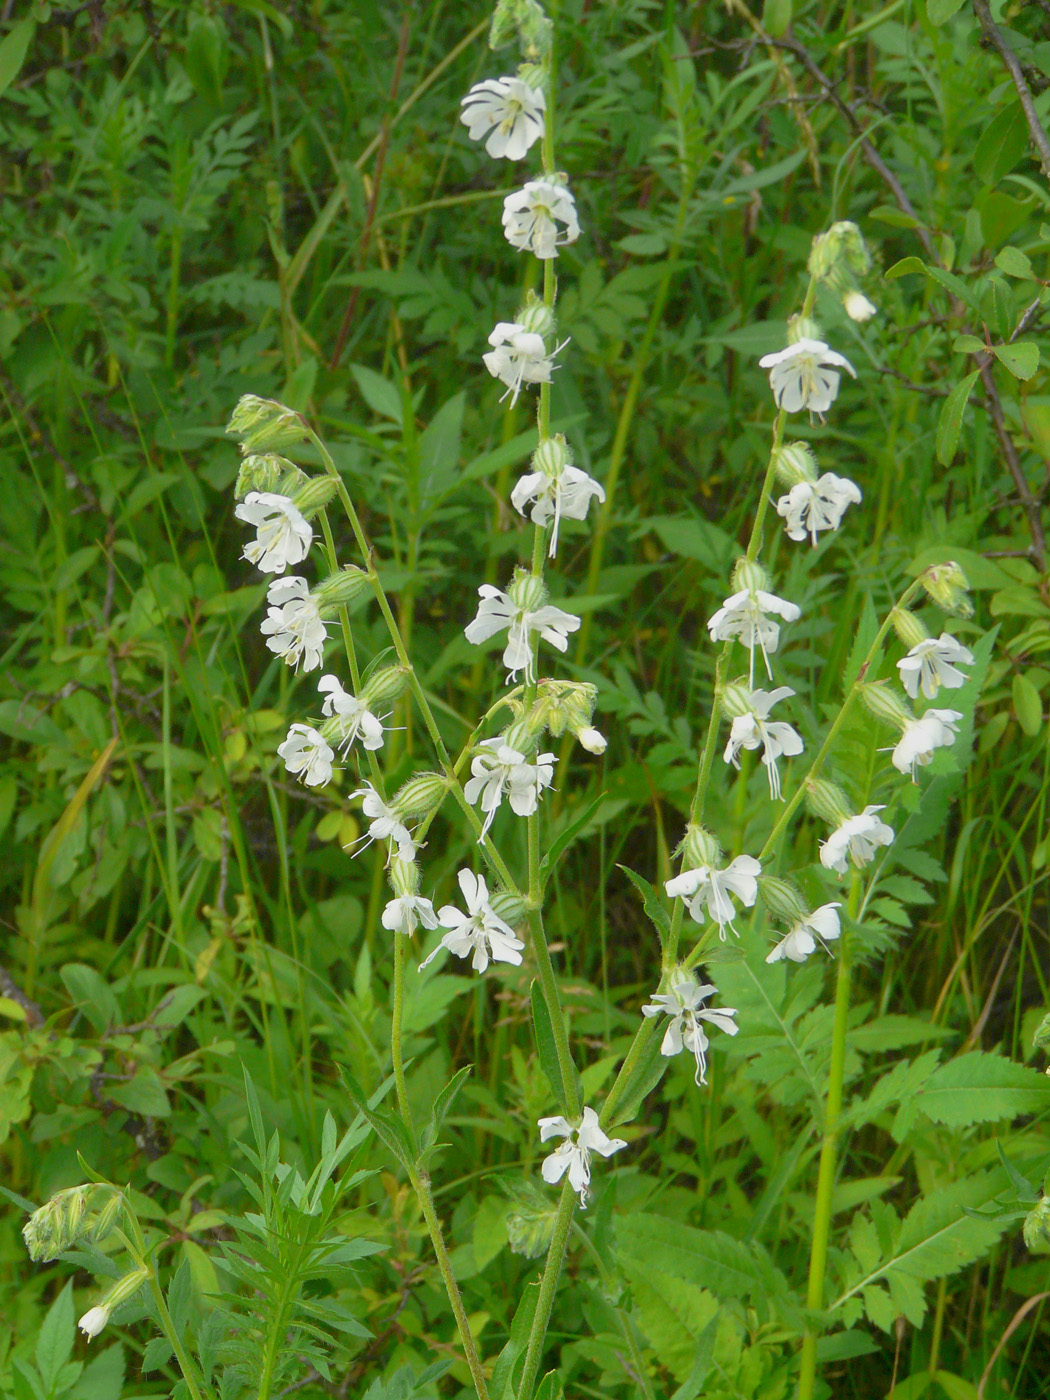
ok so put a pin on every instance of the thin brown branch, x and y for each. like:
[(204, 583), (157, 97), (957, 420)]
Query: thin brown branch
[(10, 989), (1029, 504), (994, 36)]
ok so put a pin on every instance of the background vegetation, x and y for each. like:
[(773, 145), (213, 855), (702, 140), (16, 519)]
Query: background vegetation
[(201, 200)]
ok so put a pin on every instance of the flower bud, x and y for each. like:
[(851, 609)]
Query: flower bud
[(265, 423), (105, 1221), (782, 899), (736, 698), (57, 1226), (510, 907), (315, 494), (526, 19), (827, 801), (803, 328), (749, 574), (699, 848), (521, 736), (125, 1288), (842, 245), (1036, 1227), (421, 796), (533, 75), (858, 307), (886, 704), (565, 705), (404, 876), (93, 1321), (908, 627), (385, 684), (535, 315), (794, 462), (342, 588), (551, 456), (947, 586), (591, 739), (527, 591), (268, 471)]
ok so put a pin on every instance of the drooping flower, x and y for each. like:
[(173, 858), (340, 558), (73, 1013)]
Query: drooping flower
[(501, 771), (293, 626), (855, 839), (480, 934), (936, 729), (754, 728), (746, 615), (498, 610), (822, 925), (93, 1321), (385, 822), (932, 663), (858, 307), (282, 533), (532, 215), (568, 493), (706, 888), (518, 356), (407, 913), (509, 111), (805, 375), (572, 1156), (307, 756), (684, 1003), (356, 721), (812, 506)]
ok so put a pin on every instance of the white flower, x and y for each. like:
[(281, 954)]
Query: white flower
[(744, 615), (801, 939), (307, 756), (93, 1321), (518, 357), (754, 728), (502, 770), (931, 663), (386, 823), (358, 722), (858, 307), (531, 217), (480, 932), (293, 625), (510, 112), (710, 888), (856, 838), (591, 739), (569, 493), (805, 375), (936, 729), (575, 1157), (404, 915), (811, 506), (684, 1004), (282, 535), (497, 610)]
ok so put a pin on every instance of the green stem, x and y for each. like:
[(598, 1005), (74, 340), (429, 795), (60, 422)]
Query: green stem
[(548, 1287), (421, 1183), (818, 1258), (396, 1018), (548, 981), (167, 1326)]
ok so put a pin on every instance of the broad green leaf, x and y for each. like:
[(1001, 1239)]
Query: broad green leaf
[(55, 1342), (655, 910), (1028, 704), (1021, 358), (949, 425), (379, 394), (940, 11), (144, 1093), (776, 17), (13, 51), (546, 1046), (1003, 143), (512, 1357), (1013, 262), (982, 1088)]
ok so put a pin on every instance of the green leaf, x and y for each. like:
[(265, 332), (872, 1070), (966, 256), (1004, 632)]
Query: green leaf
[(439, 448), (1004, 142), (1014, 263), (982, 1088), (968, 344), (649, 1069), (501, 1386), (13, 51), (948, 280), (446, 1098), (550, 1388), (389, 1129), (695, 539), (92, 994), (144, 1093), (55, 1342), (651, 903), (564, 838), (546, 1046), (379, 394), (949, 425), (940, 11), (1021, 358), (178, 1004), (1028, 704), (866, 631)]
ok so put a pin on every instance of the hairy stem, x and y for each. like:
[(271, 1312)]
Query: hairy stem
[(548, 1288)]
